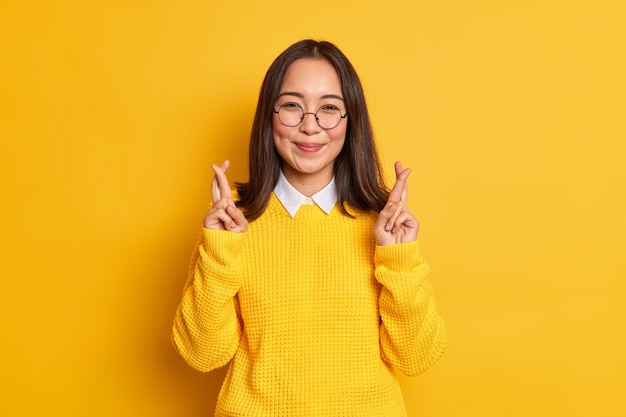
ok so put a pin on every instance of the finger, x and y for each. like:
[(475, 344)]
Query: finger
[(400, 216), (238, 217), (215, 191), (213, 220), (220, 188), (402, 221), (408, 230), (405, 188), (215, 185), (225, 218), (398, 167), (391, 212), (399, 191), (383, 217)]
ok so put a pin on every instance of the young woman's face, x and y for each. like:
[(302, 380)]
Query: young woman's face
[(308, 150)]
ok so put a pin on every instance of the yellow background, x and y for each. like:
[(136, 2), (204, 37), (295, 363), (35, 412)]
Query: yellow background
[(511, 114)]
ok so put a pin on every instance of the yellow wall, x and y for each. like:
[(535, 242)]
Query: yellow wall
[(511, 114)]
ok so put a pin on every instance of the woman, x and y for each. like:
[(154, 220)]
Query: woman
[(309, 280)]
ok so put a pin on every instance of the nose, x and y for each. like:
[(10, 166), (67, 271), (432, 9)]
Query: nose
[(309, 125)]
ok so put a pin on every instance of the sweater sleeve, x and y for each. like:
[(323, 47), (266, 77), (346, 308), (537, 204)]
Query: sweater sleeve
[(412, 335), (207, 325)]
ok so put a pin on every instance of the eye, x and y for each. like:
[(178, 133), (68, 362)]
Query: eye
[(290, 106), (329, 107)]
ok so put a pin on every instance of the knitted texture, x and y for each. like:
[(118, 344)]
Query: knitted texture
[(311, 314)]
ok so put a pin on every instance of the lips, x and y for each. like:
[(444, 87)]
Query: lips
[(309, 147)]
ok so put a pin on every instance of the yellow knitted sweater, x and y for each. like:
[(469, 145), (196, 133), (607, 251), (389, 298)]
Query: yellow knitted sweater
[(312, 315)]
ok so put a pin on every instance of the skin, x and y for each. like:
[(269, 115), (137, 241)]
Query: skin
[(395, 222), (308, 154), (308, 151)]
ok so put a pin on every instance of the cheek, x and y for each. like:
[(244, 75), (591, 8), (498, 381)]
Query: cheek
[(337, 134), (281, 137), (280, 131)]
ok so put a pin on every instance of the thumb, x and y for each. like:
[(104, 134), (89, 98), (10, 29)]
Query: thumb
[(389, 210), (385, 214)]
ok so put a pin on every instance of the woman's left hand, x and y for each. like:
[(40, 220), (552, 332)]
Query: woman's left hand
[(395, 223)]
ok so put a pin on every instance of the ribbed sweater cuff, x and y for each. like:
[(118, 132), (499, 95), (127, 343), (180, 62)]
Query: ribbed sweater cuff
[(223, 246), (401, 257)]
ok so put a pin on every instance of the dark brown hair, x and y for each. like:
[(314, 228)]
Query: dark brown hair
[(358, 175)]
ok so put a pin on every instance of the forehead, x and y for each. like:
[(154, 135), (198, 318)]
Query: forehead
[(311, 75)]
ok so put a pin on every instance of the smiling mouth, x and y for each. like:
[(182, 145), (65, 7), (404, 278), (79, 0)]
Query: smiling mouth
[(309, 147)]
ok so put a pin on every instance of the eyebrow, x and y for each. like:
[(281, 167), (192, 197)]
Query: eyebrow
[(299, 95)]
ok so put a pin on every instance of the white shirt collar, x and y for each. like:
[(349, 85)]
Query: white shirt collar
[(292, 199)]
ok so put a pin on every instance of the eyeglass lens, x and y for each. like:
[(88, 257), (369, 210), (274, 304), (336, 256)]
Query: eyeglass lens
[(327, 116)]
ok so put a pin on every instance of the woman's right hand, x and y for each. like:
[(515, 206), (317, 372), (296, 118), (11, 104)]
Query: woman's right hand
[(224, 214)]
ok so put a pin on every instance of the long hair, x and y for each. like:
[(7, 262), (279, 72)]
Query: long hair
[(358, 175)]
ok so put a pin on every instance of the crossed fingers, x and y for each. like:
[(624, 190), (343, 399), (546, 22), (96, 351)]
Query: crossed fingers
[(399, 192), (220, 188), (224, 215), (398, 196)]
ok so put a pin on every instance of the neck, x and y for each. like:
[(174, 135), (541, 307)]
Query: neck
[(307, 184)]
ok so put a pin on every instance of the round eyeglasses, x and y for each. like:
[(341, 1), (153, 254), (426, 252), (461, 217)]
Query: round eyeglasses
[(327, 116)]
